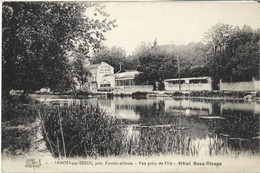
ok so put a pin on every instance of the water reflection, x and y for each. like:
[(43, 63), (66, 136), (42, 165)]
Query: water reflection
[(236, 131)]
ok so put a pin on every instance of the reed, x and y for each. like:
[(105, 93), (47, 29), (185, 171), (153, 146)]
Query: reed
[(80, 131)]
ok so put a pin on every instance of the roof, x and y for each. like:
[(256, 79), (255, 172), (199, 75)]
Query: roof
[(108, 75), (191, 78), (93, 66), (97, 65), (127, 74)]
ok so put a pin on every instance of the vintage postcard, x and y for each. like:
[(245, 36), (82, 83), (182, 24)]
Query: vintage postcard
[(130, 86)]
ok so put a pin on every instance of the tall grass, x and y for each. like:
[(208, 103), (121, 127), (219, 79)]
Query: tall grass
[(160, 141), (79, 131)]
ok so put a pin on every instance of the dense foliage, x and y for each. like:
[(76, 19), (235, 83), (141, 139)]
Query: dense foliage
[(233, 53), (155, 66), (38, 38), (116, 57)]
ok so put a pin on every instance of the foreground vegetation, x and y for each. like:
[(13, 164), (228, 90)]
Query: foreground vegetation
[(18, 117), (91, 132)]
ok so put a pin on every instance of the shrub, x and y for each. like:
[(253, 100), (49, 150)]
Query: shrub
[(16, 141), (18, 112), (177, 93), (84, 93)]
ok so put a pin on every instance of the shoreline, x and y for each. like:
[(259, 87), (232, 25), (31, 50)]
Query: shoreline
[(67, 96)]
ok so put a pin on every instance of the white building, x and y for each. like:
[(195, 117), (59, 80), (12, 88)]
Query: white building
[(124, 83), (104, 79), (125, 78), (188, 84), (99, 76)]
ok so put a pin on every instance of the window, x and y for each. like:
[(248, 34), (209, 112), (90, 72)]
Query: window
[(199, 81), (177, 82), (105, 85)]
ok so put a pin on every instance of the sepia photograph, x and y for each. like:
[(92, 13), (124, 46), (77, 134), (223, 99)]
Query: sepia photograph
[(141, 86)]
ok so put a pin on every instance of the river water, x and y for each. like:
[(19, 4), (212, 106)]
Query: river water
[(215, 126)]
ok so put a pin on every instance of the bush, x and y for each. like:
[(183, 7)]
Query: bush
[(177, 93), (258, 94), (84, 93), (17, 111), (16, 141), (139, 95)]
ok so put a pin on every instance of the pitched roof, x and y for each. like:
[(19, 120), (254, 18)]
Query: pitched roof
[(97, 65), (109, 75), (93, 66), (191, 78), (127, 74)]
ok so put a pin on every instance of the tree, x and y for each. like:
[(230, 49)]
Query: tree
[(116, 57), (155, 66), (141, 48), (193, 62), (38, 36), (233, 53), (80, 72)]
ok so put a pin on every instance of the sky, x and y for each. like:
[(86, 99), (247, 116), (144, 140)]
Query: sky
[(176, 22)]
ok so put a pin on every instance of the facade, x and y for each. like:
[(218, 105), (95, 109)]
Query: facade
[(99, 76), (107, 82), (188, 84), (125, 78), (253, 85), (124, 83)]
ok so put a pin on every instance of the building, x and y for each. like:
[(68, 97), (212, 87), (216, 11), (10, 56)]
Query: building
[(125, 78), (101, 76), (188, 84), (249, 86), (103, 79), (124, 83), (107, 82)]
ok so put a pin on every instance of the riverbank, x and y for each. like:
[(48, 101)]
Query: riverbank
[(207, 95)]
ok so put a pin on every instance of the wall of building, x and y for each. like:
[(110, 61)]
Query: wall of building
[(188, 87), (107, 79), (133, 88), (237, 86), (97, 75), (256, 85), (103, 69), (189, 84)]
